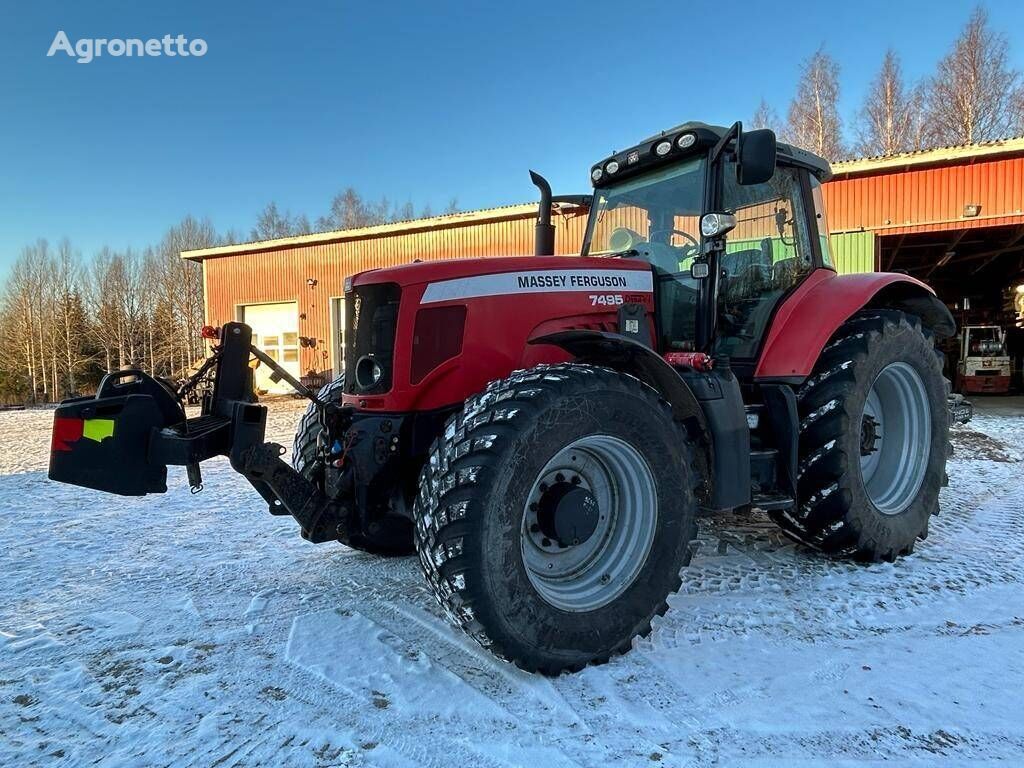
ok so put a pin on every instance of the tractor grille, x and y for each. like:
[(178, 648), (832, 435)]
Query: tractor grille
[(371, 317)]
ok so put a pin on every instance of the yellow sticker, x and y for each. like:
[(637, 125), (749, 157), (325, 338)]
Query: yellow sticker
[(97, 429)]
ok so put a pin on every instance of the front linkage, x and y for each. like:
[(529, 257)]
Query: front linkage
[(122, 439)]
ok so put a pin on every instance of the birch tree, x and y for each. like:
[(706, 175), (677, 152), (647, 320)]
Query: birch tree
[(813, 121), (890, 114), (765, 117), (975, 95)]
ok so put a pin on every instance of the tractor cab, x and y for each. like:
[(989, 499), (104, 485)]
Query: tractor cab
[(730, 223)]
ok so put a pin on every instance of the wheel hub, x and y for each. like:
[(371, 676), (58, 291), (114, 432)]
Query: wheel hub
[(869, 435), (567, 513)]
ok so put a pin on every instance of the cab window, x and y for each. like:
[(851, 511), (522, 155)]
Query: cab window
[(766, 255)]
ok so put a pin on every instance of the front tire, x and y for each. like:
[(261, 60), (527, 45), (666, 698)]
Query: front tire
[(555, 514), (873, 440)]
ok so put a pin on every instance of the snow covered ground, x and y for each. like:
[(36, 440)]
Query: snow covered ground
[(181, 630)]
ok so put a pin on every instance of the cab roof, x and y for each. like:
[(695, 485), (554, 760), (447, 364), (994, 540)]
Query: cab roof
[(706, 135)]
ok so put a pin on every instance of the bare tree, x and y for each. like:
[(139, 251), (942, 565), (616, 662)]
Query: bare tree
[(765, 117), (890, 114), (181, 290), (272, 223), (975, 95), (70, 321), (350, 211), (813, 121)]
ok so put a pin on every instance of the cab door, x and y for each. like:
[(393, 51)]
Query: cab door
[(767, 254)]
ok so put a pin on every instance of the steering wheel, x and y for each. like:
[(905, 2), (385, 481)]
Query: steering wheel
[(694, 242)]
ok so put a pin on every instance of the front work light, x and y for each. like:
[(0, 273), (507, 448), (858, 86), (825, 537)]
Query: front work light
[(716, 224), (612, 167), (686, 140), (663, 148), (596, 174)]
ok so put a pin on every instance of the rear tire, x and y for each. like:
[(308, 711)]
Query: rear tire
[(873, 440), (392, 537), (485, 544)]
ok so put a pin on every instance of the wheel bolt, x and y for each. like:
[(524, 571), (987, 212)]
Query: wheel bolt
[(576, 480), (534, 507), (534, 528), (560, 478), (545, 542), (543, 487)]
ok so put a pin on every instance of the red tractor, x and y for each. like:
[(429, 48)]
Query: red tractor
[(544, 431)]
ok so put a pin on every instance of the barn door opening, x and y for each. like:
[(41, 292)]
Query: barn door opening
[(275, 330)]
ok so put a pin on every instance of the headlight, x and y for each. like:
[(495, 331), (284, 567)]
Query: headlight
[(612, 167), (686, 140), (715, 224), (368, 372), (663, 148), (596, 174)]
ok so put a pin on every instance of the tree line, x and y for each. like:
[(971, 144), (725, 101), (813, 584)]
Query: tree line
[(66, 320), (973, 95)]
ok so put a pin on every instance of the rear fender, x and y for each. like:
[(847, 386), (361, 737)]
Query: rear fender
[(808, 318)]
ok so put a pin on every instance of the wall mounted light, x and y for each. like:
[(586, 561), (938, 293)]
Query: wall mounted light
[(311, 282)]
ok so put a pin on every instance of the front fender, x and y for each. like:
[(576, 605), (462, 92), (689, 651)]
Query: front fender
[(621, 353), (808, 318), (624, 354)]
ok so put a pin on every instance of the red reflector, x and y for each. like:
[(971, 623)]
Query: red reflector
[(65, 432), (696, 360), (209, 332), (436, 338)]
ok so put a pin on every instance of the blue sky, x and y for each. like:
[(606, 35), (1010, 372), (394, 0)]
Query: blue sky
[(416, 101)]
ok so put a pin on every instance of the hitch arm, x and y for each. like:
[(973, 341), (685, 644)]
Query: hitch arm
[(319, 518)]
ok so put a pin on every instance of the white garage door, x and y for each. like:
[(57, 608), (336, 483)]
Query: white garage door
[(275, 330)]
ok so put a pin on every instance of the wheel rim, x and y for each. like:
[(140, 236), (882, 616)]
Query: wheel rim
[(592, 572), (896, 432)]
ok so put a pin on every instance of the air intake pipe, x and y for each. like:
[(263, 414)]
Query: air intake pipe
[(544, 231)]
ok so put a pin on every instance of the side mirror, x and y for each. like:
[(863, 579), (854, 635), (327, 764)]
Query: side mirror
[(756, 161)]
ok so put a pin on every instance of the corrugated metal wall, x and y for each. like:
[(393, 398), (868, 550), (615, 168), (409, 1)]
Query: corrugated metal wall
[(928, 199), (853, 252)]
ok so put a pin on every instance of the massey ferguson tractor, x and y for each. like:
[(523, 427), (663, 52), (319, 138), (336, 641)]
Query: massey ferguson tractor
[(544, 431)]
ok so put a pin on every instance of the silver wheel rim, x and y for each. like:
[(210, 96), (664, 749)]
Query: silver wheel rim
[(593, 573), (896, 435)]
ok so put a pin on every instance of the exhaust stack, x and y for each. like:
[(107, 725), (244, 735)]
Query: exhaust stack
[(544, 230)]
